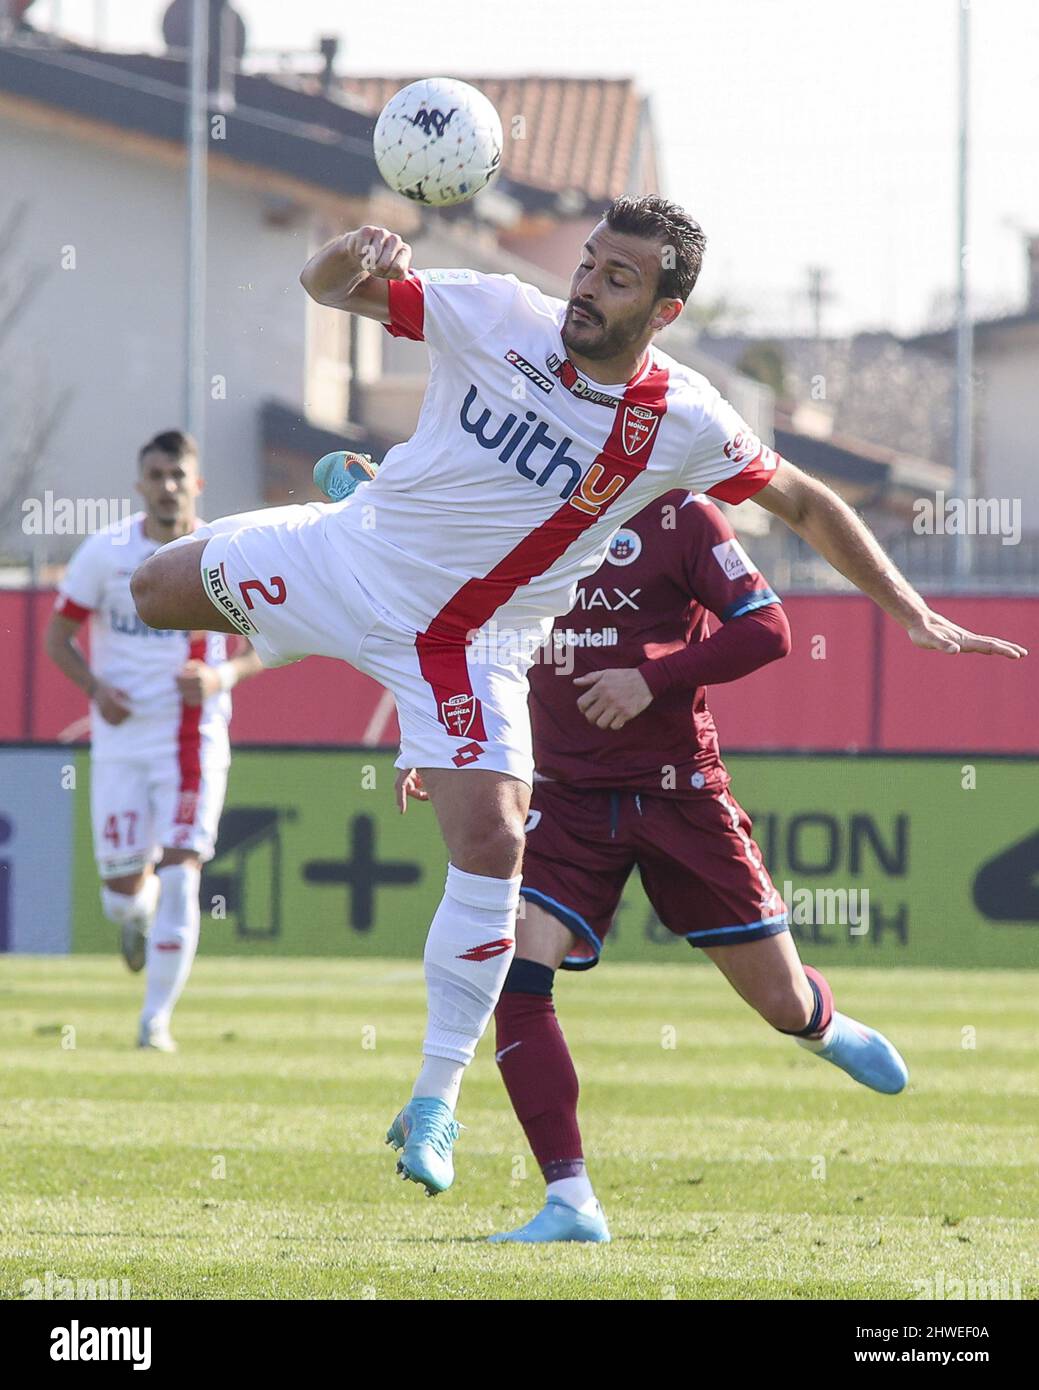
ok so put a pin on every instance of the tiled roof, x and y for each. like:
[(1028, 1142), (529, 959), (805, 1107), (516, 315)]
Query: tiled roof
[(589, 135), (273, 128)]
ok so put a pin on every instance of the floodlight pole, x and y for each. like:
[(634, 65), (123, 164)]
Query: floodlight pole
[(195, 297), (963, 432)]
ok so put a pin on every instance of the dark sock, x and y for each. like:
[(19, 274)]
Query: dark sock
[(537, 1069), (823, 1011), (564, 1168)]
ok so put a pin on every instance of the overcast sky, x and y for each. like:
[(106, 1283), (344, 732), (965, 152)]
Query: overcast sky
[(799, 132)]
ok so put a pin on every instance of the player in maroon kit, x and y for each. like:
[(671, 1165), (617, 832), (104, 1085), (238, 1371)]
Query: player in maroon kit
[(629, 774)]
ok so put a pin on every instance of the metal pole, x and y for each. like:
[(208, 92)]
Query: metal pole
[(195, 300), (963, 437)]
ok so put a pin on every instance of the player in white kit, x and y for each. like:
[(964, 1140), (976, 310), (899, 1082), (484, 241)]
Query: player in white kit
[(545, 426), (159, 745)]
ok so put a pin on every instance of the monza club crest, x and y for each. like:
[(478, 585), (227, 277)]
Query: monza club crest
[(458, 714), (638, 425)]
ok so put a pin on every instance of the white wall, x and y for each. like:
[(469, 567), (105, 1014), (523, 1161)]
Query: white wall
[(1009, 428), (112, 328)]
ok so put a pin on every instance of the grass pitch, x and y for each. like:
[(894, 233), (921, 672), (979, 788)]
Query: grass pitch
[(730, 1162)]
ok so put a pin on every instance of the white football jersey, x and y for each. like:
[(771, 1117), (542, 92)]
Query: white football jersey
[(139, 660), (520, 469)]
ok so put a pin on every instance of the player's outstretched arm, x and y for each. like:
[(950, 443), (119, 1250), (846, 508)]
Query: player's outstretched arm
[(830, 526), (350, 272)]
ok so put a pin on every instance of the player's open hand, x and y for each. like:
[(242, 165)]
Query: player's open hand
[(938, 634), (113, 704), (613, 697), (378, 252), (409, 783), (196, 682)]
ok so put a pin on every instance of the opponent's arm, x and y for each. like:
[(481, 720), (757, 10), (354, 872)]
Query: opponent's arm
[(829, 526), (59, 642), (409, 783), (350, 272), (614, 696)]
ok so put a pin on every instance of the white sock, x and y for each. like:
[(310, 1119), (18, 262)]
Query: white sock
[(440, 1077), (817, 1044), (172, 942), (129, 907), (478, 915), (575, 1192)]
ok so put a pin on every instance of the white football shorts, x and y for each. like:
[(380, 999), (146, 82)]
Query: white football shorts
[(139, 808), (459, 704)]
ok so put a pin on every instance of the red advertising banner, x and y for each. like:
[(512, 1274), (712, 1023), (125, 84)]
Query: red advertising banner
[(853, 681)]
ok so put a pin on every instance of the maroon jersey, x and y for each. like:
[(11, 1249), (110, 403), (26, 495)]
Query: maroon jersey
[(647, 606)]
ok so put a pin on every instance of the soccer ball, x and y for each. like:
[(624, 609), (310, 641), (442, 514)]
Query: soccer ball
[(438, 141)]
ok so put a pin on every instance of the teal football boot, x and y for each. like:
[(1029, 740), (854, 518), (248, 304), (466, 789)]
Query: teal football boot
[(426, 1131), (864, 1054), (339, 473), (557, 1220)]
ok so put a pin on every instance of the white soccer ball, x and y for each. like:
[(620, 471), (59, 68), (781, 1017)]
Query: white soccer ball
[(438, 141)]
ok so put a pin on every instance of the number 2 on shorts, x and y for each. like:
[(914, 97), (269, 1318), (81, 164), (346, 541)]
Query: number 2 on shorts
[(277, 585)]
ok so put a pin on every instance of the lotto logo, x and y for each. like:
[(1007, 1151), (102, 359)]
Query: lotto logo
[(467, 754), (487, 950), (529, 370)]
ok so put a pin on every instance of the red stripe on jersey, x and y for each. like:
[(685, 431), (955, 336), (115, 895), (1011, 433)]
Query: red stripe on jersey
[(189, 744), (757, 474), (67, 608), (407, 308), (442, 647)]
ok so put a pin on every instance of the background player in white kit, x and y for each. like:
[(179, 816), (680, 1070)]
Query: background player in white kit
[(159, 745), (545, 426)]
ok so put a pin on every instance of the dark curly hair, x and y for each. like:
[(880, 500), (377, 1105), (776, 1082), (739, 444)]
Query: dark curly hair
[(664, 221)]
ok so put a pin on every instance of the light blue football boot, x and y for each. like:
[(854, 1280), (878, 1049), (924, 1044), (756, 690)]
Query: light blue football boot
[(426, 1131), (339, 473), (864, 1054), (557, 1220)]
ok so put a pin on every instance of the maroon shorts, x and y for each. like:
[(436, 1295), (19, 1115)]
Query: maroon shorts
[(701, 870)]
